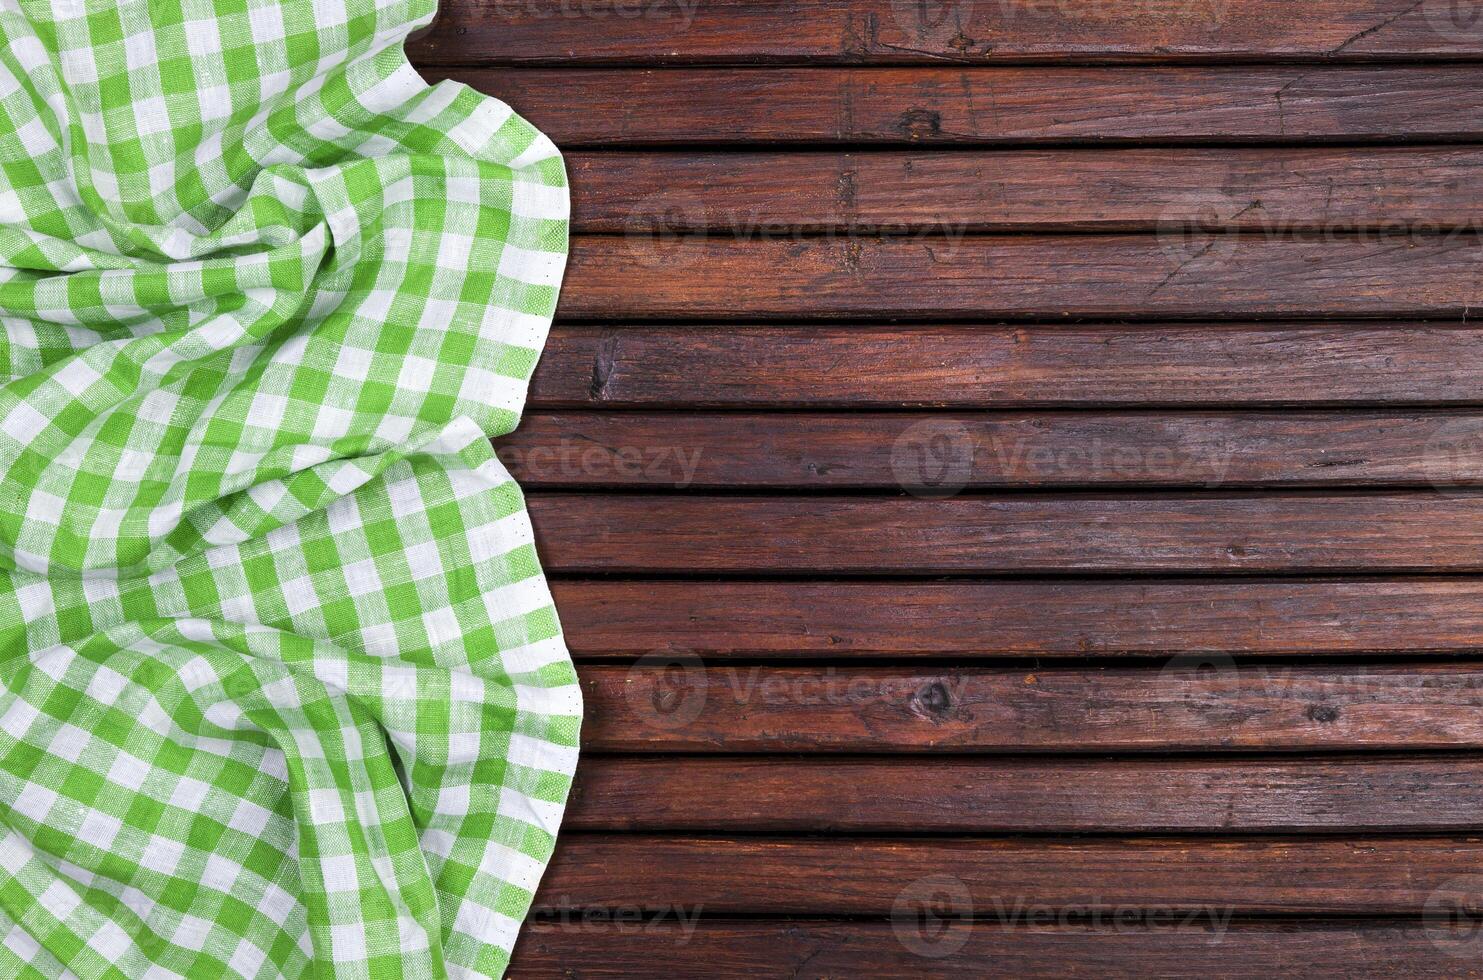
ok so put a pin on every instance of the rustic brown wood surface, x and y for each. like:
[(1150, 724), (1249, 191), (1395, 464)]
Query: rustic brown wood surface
[(1200, 621), (1011, 476), (863, 876), (930, 941), (947, 106), (1195, 705), (1177, 275), (817, 794), (974, 535), (995, 366), (1270, 191), (1050, 449), (893, 32)]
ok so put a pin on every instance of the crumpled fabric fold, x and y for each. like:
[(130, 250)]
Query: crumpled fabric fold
[(282, 689)]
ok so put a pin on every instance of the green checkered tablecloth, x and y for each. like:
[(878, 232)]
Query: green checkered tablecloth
[(283, 692)]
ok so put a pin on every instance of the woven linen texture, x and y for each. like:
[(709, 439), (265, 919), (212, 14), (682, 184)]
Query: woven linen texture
[(282, 691)]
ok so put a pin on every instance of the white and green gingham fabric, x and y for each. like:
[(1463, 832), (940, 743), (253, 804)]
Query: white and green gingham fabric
[(282, 692)]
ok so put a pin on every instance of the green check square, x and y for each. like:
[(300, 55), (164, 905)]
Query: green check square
[(282, 690)]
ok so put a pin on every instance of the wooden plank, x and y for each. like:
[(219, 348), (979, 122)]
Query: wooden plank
[(1418, 532), (779, 195), (865, 877), (924, 942), (689, 706), (1213, 619), (1050, 795), (893, 32), (995, 366), (989, 106), (1043, 449), (663, 276)]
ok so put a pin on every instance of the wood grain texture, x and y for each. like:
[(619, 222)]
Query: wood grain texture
[(814, 795), (1298, 533), (1269, 191), (690, 706), (894, 32), (950, 769), (1139, 948), (1159, 618), (989, 450), (1177, 275), (987, 106), (994, 366), (865, 877)]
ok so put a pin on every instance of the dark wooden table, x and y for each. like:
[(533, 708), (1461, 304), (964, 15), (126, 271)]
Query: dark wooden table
[(1010, 473)]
